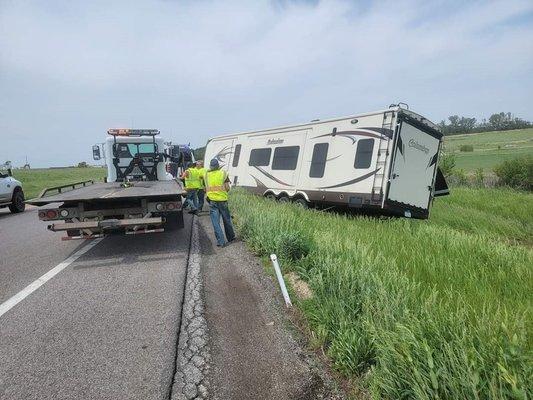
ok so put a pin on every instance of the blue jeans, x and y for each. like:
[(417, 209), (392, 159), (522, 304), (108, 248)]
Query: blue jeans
[(192, 199), (220, 209), (201, 197)]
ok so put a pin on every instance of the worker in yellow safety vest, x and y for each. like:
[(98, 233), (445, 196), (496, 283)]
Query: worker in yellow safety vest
[(192, 184), (217, 187), (201, 191)]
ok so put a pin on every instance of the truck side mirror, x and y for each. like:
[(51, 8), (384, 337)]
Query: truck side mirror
[(96, 152)]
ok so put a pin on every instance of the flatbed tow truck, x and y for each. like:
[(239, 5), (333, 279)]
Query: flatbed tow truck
[(139, 195)]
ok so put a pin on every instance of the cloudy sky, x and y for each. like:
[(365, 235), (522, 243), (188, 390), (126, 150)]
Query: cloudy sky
[(69, 70)]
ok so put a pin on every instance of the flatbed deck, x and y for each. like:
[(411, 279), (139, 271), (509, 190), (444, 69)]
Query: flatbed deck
[(113, 191)]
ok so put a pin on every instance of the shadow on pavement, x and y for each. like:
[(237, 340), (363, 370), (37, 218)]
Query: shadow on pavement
[(126, 250)]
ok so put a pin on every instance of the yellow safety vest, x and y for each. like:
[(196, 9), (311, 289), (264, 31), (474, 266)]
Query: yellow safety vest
[(214, 185), (192, 179), (201, 176)]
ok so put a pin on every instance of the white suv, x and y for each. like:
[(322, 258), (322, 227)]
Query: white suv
[(11, 194)]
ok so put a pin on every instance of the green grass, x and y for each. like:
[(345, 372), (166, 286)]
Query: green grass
[(415, 309), (35, 180), (486, 153)]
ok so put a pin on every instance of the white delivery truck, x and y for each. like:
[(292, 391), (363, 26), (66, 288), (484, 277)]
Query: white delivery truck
[(139, 195), (384, 161)]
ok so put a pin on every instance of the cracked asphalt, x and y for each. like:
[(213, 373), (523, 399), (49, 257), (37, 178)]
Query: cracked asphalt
[(190, 381)]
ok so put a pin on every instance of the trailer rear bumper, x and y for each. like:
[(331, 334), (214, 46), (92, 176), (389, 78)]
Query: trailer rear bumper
[(106, 224)]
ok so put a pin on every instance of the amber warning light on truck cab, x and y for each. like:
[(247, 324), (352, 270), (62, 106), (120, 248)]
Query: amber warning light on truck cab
[(132, 132)]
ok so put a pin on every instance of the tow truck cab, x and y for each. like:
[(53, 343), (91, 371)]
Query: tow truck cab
[(139, 196), (133, 155)]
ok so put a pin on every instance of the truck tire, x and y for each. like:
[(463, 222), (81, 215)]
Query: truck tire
[(73, 232), (174, 221), (17, 202)]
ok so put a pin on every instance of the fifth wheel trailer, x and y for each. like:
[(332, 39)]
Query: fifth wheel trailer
[(384, 160)]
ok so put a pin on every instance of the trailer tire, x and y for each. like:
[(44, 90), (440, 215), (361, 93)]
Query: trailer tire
[(284, 199), (17, 202), (270, 196), (301, 202), (174, 221)]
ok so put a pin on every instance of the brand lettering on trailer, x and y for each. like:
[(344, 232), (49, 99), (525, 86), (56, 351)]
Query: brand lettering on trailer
[(275, 141), (413, 143)]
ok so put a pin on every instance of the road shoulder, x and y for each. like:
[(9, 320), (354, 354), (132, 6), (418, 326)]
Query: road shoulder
[(253, 352)]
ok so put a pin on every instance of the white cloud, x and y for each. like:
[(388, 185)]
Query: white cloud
[(255, 64)]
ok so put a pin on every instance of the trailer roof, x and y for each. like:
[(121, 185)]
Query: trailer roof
[(315, 122), (113, 190)]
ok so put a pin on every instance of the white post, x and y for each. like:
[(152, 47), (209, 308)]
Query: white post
[(281, 281)]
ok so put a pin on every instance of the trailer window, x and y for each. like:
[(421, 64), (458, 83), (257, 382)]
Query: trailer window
[(260, 157), (318, 161), (237, 155), (363, 155), (285, 158)]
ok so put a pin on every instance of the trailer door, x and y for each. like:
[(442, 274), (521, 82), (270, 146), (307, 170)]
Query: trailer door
[(413, 171)]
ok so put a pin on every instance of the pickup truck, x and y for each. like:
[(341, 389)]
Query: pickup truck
[(138, 196), (11, 194)]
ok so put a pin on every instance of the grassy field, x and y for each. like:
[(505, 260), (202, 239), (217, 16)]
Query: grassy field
[(437, 309), (35, 180), (490, 148)]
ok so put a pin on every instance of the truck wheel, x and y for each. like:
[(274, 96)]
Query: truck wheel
[(174, 221), (17, 202)]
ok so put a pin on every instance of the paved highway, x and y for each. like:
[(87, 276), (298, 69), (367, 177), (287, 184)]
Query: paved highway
[(105, 326)]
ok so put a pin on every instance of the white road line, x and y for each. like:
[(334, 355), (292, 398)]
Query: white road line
[(32, 287)]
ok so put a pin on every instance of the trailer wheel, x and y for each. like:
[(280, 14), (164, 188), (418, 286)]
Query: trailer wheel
[(301, 202), (284, 199), (174, 221), (17, 202), (270, 196)]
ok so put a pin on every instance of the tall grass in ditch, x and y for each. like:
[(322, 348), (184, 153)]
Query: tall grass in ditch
[(419, 309)]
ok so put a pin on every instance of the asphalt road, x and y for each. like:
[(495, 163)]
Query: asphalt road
[(105, 327)]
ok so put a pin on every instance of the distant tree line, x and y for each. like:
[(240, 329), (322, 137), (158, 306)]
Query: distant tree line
[(497, 122), (199, 154)]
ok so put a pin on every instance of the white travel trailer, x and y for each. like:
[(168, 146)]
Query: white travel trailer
[(384, 160)]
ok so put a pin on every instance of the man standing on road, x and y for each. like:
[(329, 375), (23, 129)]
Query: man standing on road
[(192, 184), (217, 187), (201, 191)]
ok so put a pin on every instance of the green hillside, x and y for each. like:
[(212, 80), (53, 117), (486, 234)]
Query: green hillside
[(490, 148)]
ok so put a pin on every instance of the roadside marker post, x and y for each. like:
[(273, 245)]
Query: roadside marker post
[(281, 281)]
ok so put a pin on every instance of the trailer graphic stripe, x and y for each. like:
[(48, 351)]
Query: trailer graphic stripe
[(359, 179), (349, 134), (258, 182), (433, 160), (271, 176)]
